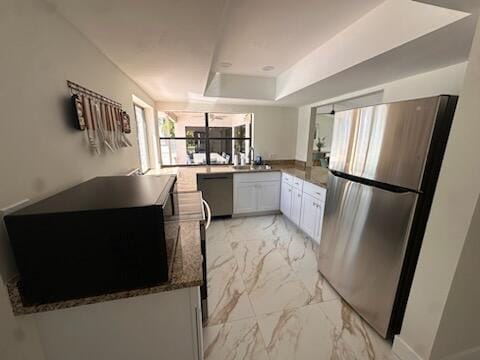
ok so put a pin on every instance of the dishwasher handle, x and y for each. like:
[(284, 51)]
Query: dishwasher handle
[(209, 213)]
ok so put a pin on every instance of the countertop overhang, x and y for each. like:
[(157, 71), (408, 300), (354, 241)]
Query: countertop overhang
[(186, 272)]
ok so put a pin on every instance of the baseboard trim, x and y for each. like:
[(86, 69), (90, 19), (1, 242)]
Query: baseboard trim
[(469, 354), (403, 350), (257, 213)]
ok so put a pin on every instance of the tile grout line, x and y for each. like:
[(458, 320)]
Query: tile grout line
[(256, 318), (264, 343)]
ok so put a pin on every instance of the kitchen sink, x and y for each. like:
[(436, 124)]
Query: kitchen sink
[(252, 167)]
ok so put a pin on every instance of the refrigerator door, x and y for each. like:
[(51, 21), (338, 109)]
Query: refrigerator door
[(386, 143), (364, 237)]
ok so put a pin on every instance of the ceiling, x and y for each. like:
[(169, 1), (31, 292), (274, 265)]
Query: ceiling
[(447, 46), (166, 46), (278, 33), (214, 50), (471, 6)]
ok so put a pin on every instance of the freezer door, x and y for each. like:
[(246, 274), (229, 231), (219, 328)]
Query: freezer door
[(364, 238), (387, 143)]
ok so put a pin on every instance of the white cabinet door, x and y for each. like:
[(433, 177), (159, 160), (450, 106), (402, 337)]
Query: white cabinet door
[(286, 200), (309, 215), (319, 221), (268, 195), (245, 199), (296, 206)]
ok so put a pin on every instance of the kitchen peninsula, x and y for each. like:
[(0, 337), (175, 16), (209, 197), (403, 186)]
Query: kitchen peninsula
[(142, 323)]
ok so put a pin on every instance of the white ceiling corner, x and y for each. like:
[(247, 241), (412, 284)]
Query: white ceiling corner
[(173, 48)]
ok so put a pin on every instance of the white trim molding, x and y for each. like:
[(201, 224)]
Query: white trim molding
[(469, 354), (403, 350)]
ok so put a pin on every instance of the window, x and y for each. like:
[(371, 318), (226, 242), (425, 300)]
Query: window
[(142, 138), (188, 138)]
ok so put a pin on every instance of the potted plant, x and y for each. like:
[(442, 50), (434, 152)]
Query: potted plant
[(321, 143)]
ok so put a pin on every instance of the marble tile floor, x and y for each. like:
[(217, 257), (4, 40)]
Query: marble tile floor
[(267, 300)]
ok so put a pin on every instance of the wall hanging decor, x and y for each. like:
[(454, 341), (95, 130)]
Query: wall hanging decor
[(103, 119)]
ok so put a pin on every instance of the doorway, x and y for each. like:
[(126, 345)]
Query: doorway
[(142, 138)]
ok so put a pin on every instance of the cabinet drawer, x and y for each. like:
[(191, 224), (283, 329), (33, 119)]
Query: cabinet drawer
[(288, 179), (316, 191), (292, 180), (257, 176), (297, 183)]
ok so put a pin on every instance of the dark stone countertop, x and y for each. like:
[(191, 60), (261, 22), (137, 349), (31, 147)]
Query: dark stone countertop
[(186, 272), (187, 176), (187, 267)]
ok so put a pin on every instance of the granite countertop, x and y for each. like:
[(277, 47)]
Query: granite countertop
[(186, 272), (187, 266), (187, 176), (315, 175)]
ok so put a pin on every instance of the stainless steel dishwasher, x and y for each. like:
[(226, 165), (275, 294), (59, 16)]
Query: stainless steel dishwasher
[(217, 190)]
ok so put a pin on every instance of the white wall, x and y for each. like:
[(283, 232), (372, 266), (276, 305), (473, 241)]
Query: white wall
[(324, 127), (40, 152), (275, 127), (446, 80), (459, 330), (303, 129), (446, 236), (400, 22)]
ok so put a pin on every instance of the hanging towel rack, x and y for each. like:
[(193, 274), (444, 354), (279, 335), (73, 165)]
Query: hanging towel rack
[(102, 119), (75, 88)]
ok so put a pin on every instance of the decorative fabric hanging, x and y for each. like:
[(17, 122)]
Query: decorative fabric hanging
[(103, 119)]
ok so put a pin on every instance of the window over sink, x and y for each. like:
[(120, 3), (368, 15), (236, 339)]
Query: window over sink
[(195, 138)]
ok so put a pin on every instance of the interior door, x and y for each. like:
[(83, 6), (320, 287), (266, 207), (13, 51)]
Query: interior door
[(363, 245), (142, 138)]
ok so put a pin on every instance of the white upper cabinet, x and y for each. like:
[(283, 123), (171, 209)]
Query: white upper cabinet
[(256, 192)]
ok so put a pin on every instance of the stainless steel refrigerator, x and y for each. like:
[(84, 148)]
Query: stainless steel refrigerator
[(384, 165)]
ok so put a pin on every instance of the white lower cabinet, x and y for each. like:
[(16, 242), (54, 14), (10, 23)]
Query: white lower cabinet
[(256, 192), (309, 215), (245, 198), (286, 200), (319, 222), (164, 325), (303, 205), (268, 195), (312, 217), (296, 207)]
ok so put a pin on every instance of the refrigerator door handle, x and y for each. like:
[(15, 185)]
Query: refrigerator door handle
[(373, 183)]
